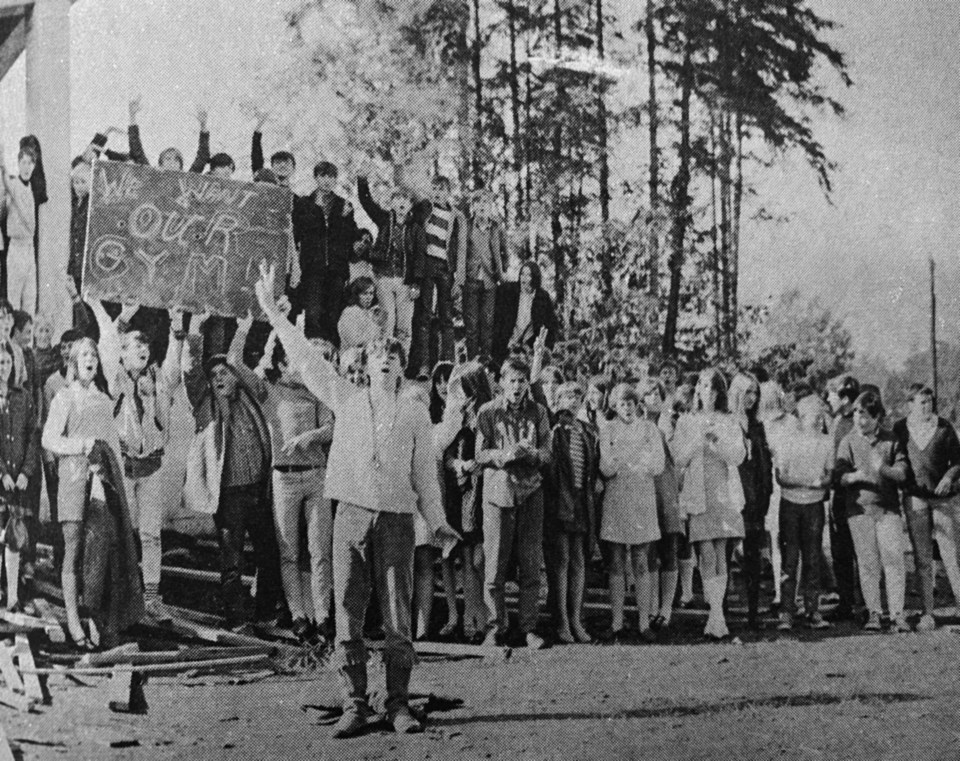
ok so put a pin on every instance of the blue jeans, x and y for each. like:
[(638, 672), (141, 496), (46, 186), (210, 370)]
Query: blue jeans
[(372, 549), (506, 529)]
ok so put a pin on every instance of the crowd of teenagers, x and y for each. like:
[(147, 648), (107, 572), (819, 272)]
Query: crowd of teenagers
[(363, 459)]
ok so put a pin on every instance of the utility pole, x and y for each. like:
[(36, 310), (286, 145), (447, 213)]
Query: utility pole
[(933, 331)]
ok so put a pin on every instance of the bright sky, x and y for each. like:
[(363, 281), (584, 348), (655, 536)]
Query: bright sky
[(896, 195)]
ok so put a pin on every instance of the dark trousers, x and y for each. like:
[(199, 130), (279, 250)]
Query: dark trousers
[(801, 531), (322, 299), (754, 539), (843, 554), (245, 510), (52, 475), (479, 301), (436, 281)]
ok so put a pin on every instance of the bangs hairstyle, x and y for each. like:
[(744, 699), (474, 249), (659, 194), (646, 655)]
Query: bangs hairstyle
[(536, 277), (919, 389), (391, 346), (173, 154), (73, 361), (624, 392), (515, 365), (358, 286), (813, 406), (20, 320), (132, 337), (869, 403), (718, 385), (551, 371), (281, 156), (570, 388)]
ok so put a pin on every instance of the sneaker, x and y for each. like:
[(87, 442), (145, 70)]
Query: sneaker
[(404, 722), (786, 622), (900, 624), (534, 641), (926, 623), (873, 622), (352, 723), (816, 621)]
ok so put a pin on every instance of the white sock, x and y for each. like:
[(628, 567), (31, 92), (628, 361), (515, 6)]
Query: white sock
[(668, 588), (686, 579), (11, 561)]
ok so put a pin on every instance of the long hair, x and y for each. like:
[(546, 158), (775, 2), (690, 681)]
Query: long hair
[(718, 384), (440, 376), (475, 382), (742, 382), (358, 286), (99, 379), (536, 277)]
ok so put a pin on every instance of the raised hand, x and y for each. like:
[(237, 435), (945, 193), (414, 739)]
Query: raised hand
[(261, 117), (134, 108), (245, 323), (128, 311), (264, 290), (202, 117)]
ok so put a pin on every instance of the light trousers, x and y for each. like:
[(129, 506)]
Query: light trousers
[(878, 543)]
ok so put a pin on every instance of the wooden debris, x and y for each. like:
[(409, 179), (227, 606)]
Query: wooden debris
[(50, 627), (126, 692), (9, 670), (110, 657), (223, 637), (453, 649), (33, 684), (6, 752), (155, 668), (15, 700)]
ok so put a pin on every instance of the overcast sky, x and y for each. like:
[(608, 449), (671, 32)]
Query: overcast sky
[(896, 195)]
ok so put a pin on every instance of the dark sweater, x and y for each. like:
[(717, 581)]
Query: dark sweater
[(19, 436), (756, 473), (929, 465), (542, 315), (389, 253)]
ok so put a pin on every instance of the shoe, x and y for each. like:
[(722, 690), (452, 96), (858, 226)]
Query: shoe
[(449, 628), (493, 638), (582, 635), (774, 608), (647, 636), (535, 641), (155, 609), (754, 623), (817, 621), (283, 618), (565, 637), (658, 622), (873, 622), (352, 723), (926, 623), (786, 622), (404, 722), (301, 629), (900, 624)]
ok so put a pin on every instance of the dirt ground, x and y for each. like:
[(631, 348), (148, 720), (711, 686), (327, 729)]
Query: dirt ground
[(843, 696)]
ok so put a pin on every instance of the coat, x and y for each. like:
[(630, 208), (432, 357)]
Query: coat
[(324, 244), (542, 315)]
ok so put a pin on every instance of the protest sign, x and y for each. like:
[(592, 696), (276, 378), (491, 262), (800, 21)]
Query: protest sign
[(174, 239)]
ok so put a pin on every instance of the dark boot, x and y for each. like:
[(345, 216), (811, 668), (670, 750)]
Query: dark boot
[(353, 685), (398, 696)]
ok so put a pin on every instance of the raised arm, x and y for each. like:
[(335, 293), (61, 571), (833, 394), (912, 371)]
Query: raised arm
[(255, 383), (137, 154), (373, 210), (109, 344), (171, 362), (203, 148), (319, 374)]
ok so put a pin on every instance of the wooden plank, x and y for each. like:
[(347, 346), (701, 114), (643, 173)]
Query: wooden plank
[(156, 668), (194, 574), (9, 670), (32, 684), (119, 654), (6, 752), (223, 637), (51, 628), (15, 700), (173, 657)]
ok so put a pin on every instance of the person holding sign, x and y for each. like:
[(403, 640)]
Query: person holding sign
[(382, 468)]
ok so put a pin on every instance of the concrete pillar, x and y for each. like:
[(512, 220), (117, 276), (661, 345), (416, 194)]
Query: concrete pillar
[(48, 117)]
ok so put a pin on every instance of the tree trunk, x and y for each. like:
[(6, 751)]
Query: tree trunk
[(527, 142), (556, 227), (679, 206), (517, 142), (606, 263), (735, 233), (714, 228), (653, 221), (475, 61)]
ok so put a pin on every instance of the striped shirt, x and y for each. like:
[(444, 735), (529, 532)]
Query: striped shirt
[(439, 229)]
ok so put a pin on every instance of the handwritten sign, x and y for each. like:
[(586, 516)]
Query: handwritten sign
[(173, 239)]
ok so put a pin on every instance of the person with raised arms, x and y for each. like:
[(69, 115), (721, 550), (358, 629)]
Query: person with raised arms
[(382, 468)]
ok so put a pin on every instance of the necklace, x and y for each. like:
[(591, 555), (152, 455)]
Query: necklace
[(376, 429)]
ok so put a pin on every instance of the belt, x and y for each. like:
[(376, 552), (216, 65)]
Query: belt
[(295, 468)]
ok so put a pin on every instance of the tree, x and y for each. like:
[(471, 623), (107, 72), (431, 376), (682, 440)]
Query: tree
[(799, 341)]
